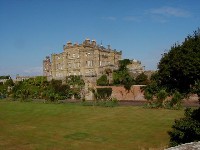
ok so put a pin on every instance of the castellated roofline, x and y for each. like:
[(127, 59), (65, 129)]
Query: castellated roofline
[(89, 43)]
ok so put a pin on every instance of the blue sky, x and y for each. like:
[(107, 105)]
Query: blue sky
[(142, 29)]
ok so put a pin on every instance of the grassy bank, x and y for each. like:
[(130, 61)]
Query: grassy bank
[(71, 126)]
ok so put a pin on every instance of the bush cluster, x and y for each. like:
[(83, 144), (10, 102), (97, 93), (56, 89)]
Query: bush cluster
[(186, 129), (40, 88)]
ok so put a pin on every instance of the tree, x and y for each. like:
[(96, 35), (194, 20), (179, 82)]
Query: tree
[(75, 81), (76, 84), (122, 75), (196, 89), (142, 79), (176, 100), (5, 77), (9, 82), (152, 88), (39, 80), (161, 96), (24, 94), (58, 88), (123, 64), (186, 129), (103, 81), (180, 67)]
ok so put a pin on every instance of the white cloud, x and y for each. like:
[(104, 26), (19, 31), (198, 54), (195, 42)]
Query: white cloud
[(131, 18), (170, 11), (160, 19)]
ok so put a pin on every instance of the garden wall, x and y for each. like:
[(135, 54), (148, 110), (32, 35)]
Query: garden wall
[(120, 93)]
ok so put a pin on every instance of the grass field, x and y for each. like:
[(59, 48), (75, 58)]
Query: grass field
[(38, 126)]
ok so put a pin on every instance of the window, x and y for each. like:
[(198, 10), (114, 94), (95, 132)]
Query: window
[(89, 63), (87, 54)]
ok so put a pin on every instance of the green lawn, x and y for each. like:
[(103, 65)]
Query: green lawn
[(41, 126)]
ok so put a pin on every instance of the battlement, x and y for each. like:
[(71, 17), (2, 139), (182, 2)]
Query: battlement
[(91, 44)]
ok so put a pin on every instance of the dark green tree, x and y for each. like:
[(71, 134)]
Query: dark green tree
[(176, 100), (58, 88), (196, 88), (180, 67), (142, 79), (161, 96), (186, 129), (5, 77), (103, 80), (122, 75), (9, 83), (152, 88), (123, 64)]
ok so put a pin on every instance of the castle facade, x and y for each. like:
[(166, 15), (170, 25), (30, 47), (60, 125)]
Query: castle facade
[(87, 59)]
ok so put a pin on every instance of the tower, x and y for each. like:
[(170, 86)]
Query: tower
[(47, 67)]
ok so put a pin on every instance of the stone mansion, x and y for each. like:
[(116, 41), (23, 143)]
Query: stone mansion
[(87, 59)]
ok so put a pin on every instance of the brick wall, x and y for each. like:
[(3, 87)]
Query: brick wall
[(136, 94), (121, 93)]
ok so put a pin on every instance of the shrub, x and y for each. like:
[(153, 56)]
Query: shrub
[(152, 89), (186, 129), (24, 94), (75, 81), (176, 100), (196, 89), (142, 79), (103, 93), (161, 96), (148, 96), (4, 77), (103, 81)]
